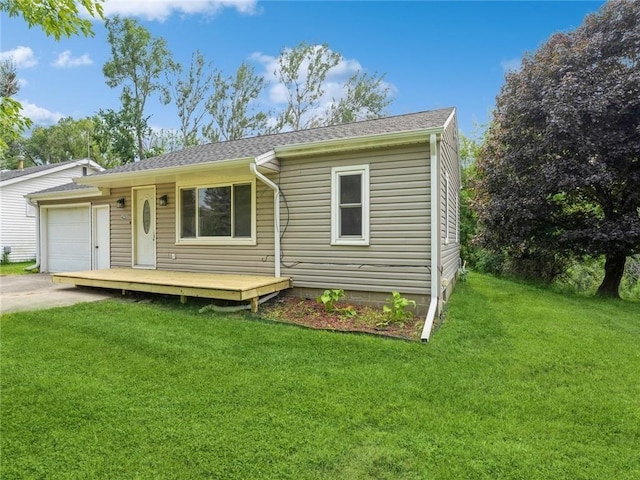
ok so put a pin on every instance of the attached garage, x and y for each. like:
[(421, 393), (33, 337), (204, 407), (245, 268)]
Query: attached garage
[(67, 238)]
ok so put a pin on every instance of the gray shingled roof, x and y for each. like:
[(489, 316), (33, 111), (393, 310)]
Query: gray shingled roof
[(67, 187), (254, 146), (9, 174)]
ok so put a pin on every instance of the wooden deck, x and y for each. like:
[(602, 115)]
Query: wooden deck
[(185, 284)]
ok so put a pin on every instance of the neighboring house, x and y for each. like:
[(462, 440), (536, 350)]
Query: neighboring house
[(369, 207), (17, 216)]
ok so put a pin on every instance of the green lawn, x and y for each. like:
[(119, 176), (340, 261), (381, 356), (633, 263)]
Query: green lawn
[(518, 383), (17, 268)]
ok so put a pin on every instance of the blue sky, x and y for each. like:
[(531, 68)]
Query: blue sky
[(434, 54)]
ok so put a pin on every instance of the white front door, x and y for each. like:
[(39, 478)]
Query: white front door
[(144, 227), (101, 238)]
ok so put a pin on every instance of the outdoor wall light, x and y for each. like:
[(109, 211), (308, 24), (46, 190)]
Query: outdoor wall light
[(120, 203), (163, 200)]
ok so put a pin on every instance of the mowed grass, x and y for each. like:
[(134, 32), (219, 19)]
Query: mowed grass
[(519, 382), (17, 268)]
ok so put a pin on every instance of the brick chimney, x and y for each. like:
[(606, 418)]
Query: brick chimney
[(20, 162)]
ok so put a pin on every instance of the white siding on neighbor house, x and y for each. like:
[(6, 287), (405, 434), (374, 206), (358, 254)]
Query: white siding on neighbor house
[(17, 230), (449, 219), (397, 257)]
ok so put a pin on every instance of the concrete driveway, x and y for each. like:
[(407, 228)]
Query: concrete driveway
[(36, 291)]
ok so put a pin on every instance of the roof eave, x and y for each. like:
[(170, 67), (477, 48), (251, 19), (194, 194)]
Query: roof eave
[(48, 171), (364, 142), (155, 175), (69, 194)]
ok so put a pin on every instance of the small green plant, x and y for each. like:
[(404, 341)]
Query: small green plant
[(396, 311), (5, 258), (349, 311), (329, 299)]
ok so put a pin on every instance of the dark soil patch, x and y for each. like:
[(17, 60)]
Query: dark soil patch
[(309, 313)]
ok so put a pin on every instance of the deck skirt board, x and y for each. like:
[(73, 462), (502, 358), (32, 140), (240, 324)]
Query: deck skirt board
[(184, 284)]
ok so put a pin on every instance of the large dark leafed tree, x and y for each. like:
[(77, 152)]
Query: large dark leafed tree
[(560, 171)]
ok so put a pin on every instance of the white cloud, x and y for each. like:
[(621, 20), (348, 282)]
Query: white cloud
[(160, 10), (512, 65), (65, 60), (22, 56), (39, 115)]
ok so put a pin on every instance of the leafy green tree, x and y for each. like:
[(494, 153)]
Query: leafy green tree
[(303, 71), (137, 64), (163, 141), (190, 96), (469, 150), (56, 18), (115, 134), (560, 171), (232, 106), (69, 139), (12, 123), (365, 98)]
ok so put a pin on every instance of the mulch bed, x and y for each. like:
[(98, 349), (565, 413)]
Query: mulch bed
[(309, 313)]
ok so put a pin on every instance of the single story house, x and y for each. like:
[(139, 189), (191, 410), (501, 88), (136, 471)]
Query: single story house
[(369, 207), (17, 216)]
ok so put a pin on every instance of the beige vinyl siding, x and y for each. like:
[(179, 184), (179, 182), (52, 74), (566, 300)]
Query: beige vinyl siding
[(449, 166), (250, 260), (121, 228), (398, 255)]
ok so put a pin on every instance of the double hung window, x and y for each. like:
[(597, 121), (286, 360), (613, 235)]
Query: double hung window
[(350, 205)]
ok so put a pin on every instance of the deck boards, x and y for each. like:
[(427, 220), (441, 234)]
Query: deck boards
[(184, 284)]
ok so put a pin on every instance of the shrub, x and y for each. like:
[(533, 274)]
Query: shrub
[(329, 299), (396, 311)]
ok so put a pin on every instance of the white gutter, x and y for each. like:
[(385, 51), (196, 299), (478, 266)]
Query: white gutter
[(276, 207), (435, 202), (37, 207)]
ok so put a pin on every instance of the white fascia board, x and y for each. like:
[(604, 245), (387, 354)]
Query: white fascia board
[(450, 119), (158, 175), (69, 194), (358, 143), (90, 163), (265, 157)]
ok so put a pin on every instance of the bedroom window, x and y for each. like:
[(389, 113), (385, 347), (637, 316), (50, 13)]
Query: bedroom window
[(217, 213), (350, 205)]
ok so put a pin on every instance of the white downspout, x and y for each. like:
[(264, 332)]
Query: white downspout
[(435, 245), (276, 214), (37, 207)]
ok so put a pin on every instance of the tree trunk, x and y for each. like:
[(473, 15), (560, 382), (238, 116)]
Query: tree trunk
[(613, 271)]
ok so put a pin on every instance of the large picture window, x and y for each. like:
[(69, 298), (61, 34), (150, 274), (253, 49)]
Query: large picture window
[(350, 205), (222, 212)]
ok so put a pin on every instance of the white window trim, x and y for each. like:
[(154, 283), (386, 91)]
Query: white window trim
[(446, 207), (244, 241), (336, 173)]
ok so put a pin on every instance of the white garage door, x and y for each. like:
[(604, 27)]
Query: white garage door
[(69, 239)]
